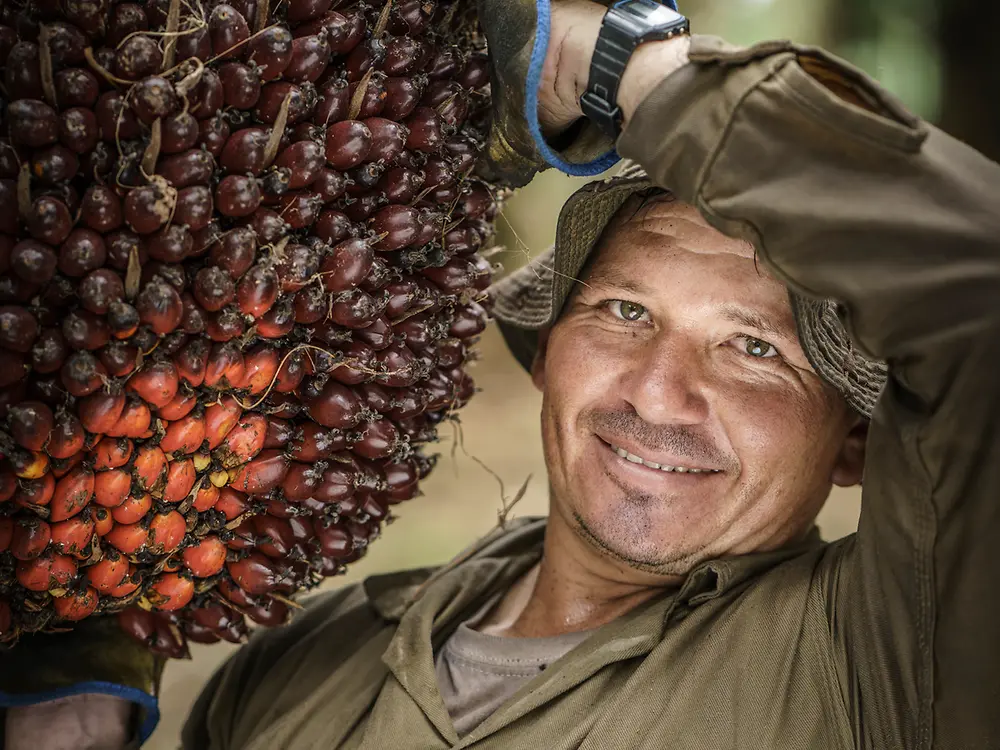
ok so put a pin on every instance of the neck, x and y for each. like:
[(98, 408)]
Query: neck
[(574, 587)]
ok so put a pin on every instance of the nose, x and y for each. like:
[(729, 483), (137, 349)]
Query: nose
[(667, 381)]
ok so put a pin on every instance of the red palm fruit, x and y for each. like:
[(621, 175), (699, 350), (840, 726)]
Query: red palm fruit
[(61, 468), (132, 510), (71, 537), (225, 368), (181, 476), (72, 494), (192, 167), (99, 412), (291, 370), (213, 616), (191, 362), (242, 537), (305, 160), (334, 406), (166, 532), (149, 466), (67, 436), (6, 532), (213, 288), (243, 441), (255, 574), (18, 328), (225, 325), (184, 435), (134, 421), (31, 423), (111, 453), (206, 558), (160, 307), (128, 539), (347, 265), (198, 634), (231, 503), (29, 464), (139, 624), (170, 592), (35, 492), (280, 433), (29, 538), (237, 196), (398, 226), (45, 572), (109, 573), (221, 417), (257, 290), (206, 497), (261, 368), (119, 358), (317, 443), (380, 439), (334, 540), (347, 144), (127, 586), (76, 605), (111, 487), (262, 474), (156, 383), (302, 481), (103, 521), (8, 483), (269, 614), (271, 49), (278, 321), (337, 485), (181, 405)]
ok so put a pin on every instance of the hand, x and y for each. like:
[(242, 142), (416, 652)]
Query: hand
[(512, 157), (80, 722), (574, 30)]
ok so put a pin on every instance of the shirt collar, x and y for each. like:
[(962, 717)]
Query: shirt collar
[(392, 594)]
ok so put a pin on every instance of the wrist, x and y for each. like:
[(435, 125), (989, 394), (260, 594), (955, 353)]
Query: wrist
[(650, 64), (575, 27)]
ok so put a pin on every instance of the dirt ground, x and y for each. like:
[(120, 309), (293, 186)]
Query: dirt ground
[(499, 429)]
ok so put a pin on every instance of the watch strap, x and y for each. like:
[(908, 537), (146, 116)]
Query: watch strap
[(621, 32)]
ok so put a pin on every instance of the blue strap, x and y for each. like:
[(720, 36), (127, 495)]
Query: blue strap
[(133, 695), (541, 45)]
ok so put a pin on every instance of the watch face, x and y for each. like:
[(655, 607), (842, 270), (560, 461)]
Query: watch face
[(654, 14)]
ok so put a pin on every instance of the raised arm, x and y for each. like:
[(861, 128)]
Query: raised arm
[(848, 196)]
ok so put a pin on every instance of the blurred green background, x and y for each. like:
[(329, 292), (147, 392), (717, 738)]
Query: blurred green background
[(935, 55)]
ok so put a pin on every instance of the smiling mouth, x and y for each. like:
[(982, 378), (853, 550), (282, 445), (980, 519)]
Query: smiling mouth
[(633, 458)]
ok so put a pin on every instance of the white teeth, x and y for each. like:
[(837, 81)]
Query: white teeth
[(631, 457)]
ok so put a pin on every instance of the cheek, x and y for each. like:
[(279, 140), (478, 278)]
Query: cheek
[(778, 435)]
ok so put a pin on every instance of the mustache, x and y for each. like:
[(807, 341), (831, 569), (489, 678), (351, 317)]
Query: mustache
[(681, 440)]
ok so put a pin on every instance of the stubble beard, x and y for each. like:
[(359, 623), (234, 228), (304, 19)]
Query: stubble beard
[(620, 539)]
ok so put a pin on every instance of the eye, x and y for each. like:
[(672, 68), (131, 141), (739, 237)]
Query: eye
[(757, 348), (631, 312)]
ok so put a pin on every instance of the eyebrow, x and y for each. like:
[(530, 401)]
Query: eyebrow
[(753, 319), (612, 277)]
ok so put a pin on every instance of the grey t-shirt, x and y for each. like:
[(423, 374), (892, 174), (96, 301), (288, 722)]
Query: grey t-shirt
[(477, 672)]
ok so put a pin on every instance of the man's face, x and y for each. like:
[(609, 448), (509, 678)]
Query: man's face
[(680, 352)]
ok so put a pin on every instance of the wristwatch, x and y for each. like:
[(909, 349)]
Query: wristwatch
[(627, 24)]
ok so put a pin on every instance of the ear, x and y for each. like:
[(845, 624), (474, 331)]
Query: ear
[(850, 466), (538, 364)]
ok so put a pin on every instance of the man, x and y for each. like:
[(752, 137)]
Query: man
[(694, 418)]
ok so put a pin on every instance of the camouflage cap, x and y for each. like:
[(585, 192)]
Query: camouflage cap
[(532, 297)]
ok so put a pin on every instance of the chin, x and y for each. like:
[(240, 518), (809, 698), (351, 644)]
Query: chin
[(635, 532)]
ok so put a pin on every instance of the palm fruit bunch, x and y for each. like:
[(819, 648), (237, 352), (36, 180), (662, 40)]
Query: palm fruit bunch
[(239, 283)]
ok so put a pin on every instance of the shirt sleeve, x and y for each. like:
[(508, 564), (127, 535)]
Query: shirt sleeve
[(848, 196)]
